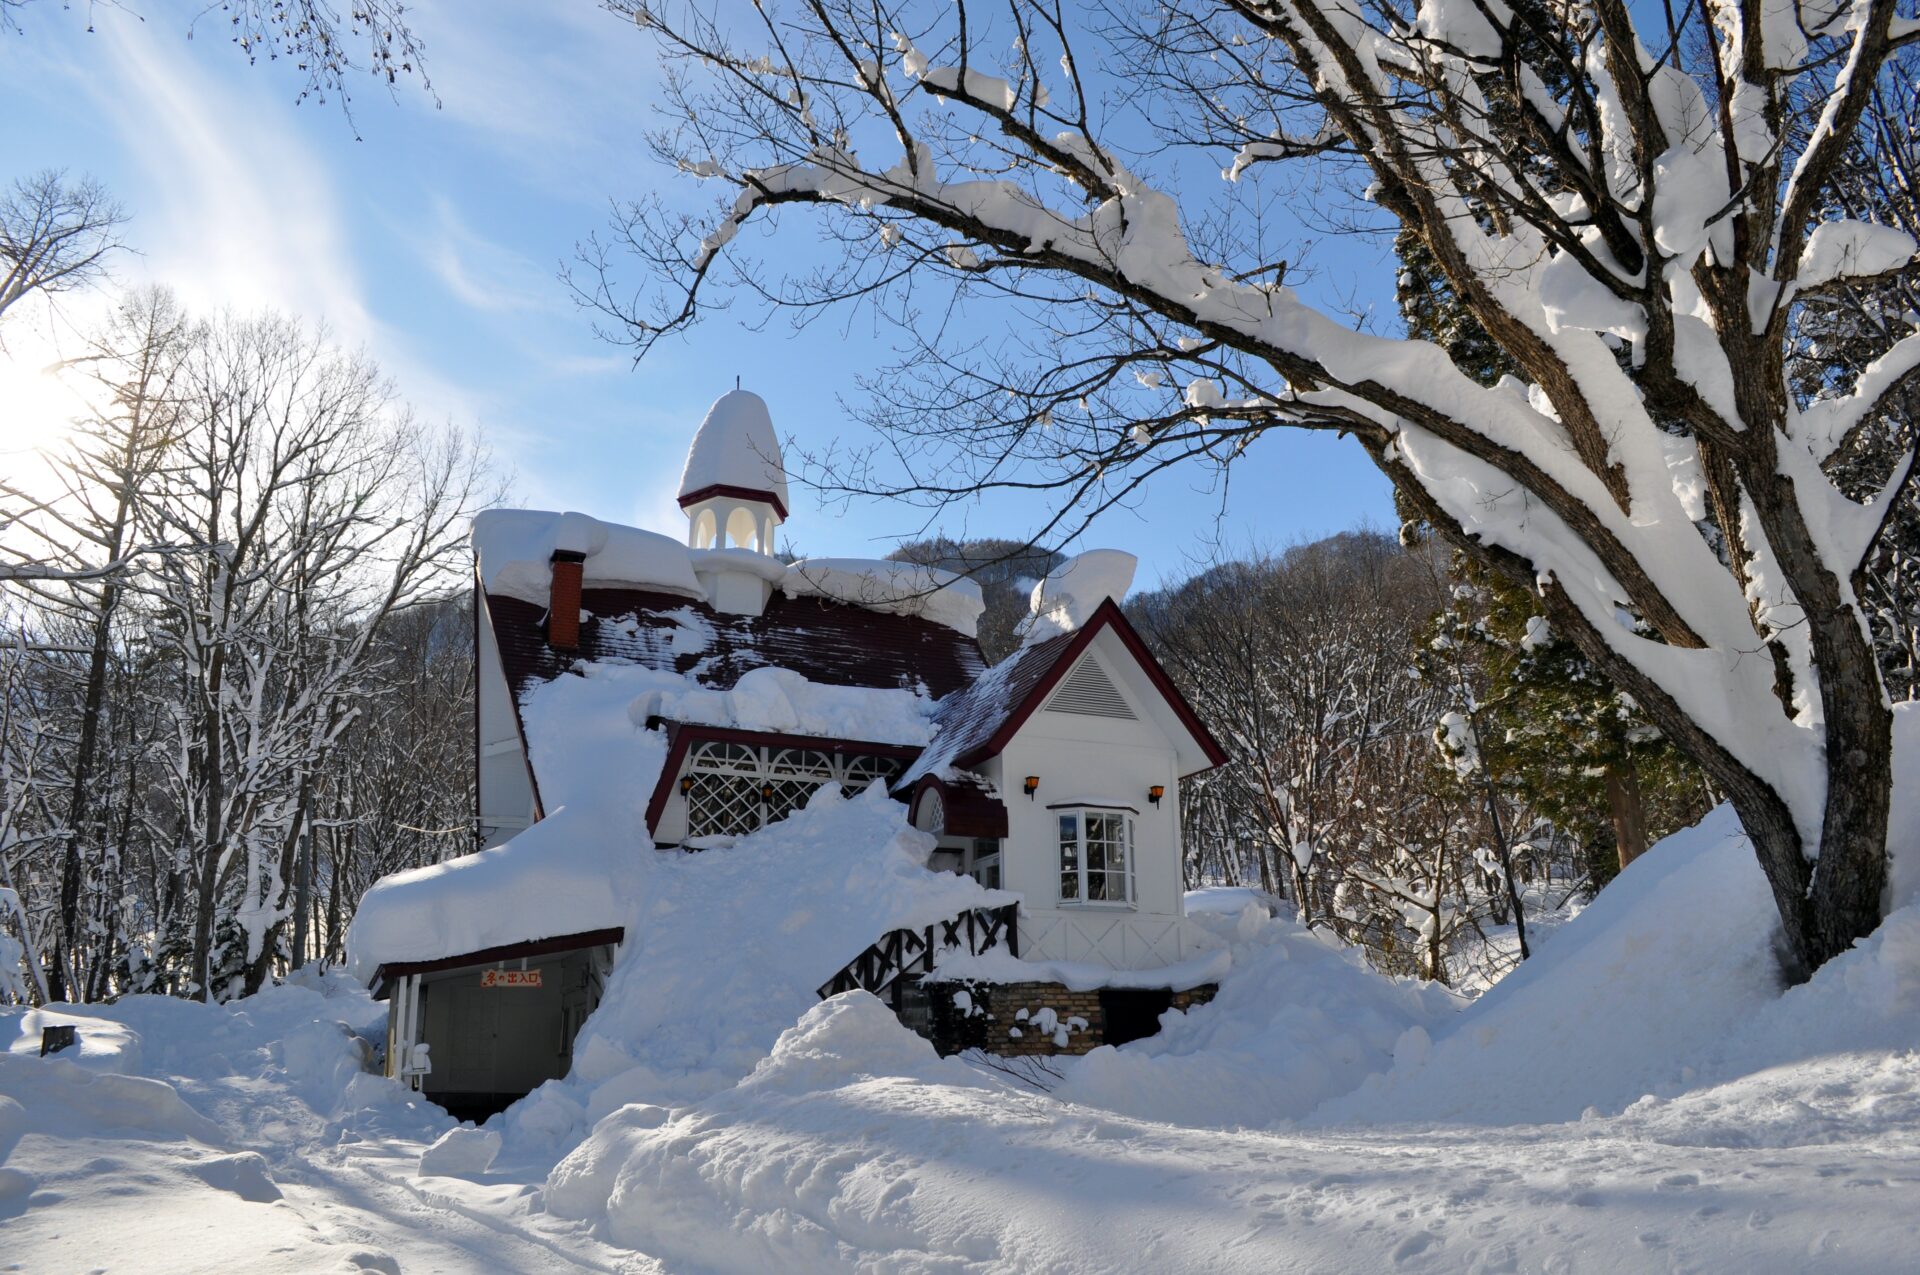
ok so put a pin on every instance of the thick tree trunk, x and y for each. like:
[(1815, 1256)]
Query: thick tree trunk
[(67, 933), (1824, 911), (1626, 811)]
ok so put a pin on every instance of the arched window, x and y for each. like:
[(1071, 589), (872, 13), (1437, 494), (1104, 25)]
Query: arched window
[(705, 530), (740, 528)]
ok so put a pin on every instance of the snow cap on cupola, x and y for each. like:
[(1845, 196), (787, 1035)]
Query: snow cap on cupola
[(734, 488)]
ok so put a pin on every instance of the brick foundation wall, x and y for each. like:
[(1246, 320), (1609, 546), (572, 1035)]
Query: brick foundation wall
[(1025, 1019)]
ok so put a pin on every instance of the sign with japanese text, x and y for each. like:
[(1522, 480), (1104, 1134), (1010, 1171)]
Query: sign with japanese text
[(510, 978)]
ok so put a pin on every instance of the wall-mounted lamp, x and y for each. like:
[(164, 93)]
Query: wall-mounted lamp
[(686, 784), (1032, 786), (766, 792), (1155, 793)]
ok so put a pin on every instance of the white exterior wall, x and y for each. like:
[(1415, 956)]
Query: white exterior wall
[(1109, 762), (505, 788)]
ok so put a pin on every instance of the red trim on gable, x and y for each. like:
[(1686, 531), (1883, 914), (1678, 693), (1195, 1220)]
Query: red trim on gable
[(970, 811), (683, 735), (738, 493), (1107, 615)]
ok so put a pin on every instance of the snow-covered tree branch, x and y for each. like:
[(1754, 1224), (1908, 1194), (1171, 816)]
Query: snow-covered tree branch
[(1638, 218)]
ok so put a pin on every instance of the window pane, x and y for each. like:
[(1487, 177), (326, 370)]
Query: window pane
[(802, 763), (734, 759), (788, 796), (1069, 856), (722, 805), (861, 769)]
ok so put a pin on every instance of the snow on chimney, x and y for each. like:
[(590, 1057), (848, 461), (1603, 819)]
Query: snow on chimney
[(563, 608)]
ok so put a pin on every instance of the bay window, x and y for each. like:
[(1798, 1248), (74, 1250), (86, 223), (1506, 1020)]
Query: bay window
[(1096, 856)]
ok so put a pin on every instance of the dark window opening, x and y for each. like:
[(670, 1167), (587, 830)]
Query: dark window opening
[(1133, 1013)]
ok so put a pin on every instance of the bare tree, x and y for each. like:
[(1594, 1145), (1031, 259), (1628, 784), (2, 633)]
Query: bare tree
[(55, 236), (88, 531), (1636, 217), (325, 43)]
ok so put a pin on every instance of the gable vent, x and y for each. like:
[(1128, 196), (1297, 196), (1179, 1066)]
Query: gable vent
[(1088, 692)]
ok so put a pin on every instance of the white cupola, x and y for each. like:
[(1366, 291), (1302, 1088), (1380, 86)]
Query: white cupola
[(735, 488)]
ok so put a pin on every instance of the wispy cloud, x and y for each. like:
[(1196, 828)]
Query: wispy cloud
[(481, 273), (559, 87), (237, 210)]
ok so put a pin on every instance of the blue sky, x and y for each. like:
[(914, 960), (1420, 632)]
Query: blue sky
[(434, 241)]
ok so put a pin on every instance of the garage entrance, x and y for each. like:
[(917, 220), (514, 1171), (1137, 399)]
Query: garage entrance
[(475, 1033)]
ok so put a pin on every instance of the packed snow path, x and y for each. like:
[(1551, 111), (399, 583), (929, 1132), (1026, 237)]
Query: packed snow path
[(905, 1174), (1640, 1096)]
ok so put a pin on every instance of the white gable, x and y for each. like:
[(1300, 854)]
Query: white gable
[(1108, 697)]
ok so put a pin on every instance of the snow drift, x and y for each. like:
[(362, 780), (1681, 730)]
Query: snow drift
[(1666, 985), (1299, 1020)]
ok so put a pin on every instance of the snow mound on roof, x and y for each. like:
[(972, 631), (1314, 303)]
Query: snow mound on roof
[(577, 870), (1073, 591), (1664, 999), (1300, 1019), (782, 701), (514, 549), (900, 588), (542, 884), (735, 446)]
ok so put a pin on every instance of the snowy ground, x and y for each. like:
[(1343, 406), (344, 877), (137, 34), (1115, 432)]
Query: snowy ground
[(1641, 1096)]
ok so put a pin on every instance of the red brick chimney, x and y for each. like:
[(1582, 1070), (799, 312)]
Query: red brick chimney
[(563, 610)]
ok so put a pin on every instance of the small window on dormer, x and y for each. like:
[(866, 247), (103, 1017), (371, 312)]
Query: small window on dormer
[(1089, 692)]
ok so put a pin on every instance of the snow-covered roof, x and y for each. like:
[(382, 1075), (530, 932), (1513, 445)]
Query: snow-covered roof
[(899, 588), (514, 549), (736, 447), (977, 723), (1074, 590)]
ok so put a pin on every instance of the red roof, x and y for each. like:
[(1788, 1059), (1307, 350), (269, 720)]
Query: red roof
[(832, 643)]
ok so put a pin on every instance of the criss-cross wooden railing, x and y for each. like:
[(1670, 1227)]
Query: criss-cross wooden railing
[(898, 952)]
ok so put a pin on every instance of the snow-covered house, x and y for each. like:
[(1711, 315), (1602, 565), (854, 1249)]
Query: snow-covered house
[(1054, 775)]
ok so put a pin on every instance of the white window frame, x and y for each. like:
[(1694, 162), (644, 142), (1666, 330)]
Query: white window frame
[(975, 863), (1078, 816)]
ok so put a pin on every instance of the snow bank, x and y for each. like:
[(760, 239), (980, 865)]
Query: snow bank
[(999, 966), (1300, 1018), (140, 1058), (1664, 999), (735, 446), (899, 588), (726, 950), (783, 701), (514, 550), (1068, 597), (652, 1183), (1665, 962)]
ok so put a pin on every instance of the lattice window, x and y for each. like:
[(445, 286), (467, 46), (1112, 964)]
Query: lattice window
[(735, 788), (722, 805)]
